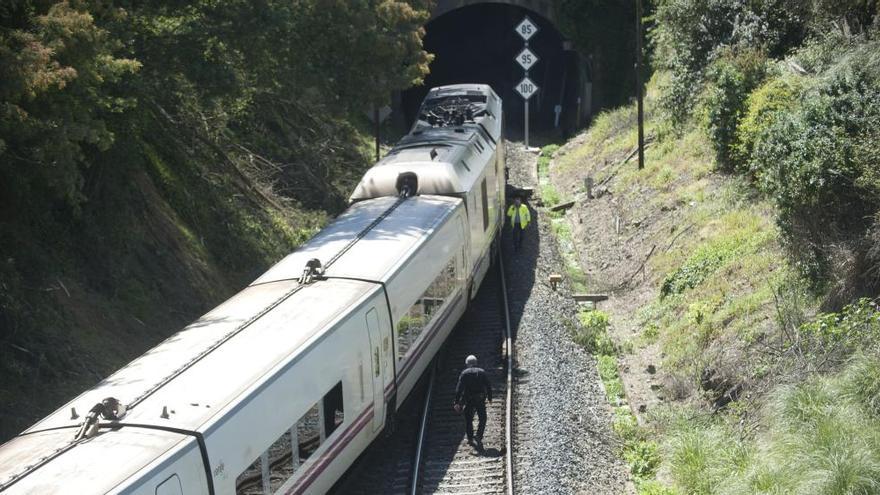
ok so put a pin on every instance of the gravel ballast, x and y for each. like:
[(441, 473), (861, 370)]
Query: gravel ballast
[(563, 437)]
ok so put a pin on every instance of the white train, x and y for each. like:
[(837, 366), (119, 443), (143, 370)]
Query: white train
[(280, 388)]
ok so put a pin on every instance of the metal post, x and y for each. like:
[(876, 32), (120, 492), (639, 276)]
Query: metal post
[(264, 472), (378, 126), (423, 428), (294, 445), (527, 124), (639, 84)]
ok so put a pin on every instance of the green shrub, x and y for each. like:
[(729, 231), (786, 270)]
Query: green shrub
[(593, 334), (654, 487), (643, 458), (834, 336), (701, 264), (776, 95), (549, 195), (731, 78), (544, 158), (688, 35), (818, 442), (861, 383), (606, 364), (625, 424), (818, 161), (549, 150)]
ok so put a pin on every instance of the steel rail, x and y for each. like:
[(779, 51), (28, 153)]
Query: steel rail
[(508, 425), (508, 413), (423, 428)]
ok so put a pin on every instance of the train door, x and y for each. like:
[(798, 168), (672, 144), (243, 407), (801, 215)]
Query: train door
[(377, 369)]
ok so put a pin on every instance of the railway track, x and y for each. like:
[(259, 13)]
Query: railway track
[(429, 453)]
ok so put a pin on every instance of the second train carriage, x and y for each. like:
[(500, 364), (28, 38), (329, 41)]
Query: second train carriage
[(281, 387)]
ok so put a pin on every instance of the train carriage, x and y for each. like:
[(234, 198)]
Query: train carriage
[(280, 388)]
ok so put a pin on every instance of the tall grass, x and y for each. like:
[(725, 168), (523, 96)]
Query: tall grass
[(820, 437)]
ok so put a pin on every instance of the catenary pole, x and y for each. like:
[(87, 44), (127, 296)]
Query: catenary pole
[(639, 91)]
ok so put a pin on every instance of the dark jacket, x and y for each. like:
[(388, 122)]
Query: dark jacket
[(473, 386)]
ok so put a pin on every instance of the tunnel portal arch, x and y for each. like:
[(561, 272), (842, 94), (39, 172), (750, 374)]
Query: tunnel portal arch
[(474, 41), (544, 8)]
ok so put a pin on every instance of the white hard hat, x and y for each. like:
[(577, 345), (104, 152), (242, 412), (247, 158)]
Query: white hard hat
[(471, 360)]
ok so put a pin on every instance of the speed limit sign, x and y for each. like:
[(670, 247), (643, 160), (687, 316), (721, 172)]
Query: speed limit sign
[(526, 29), (526, 88), (526, 58)]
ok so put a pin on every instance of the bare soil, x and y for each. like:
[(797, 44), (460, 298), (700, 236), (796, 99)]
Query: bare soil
[(616, 234)]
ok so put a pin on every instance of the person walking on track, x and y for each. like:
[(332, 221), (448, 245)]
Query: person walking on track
[(519, 216), (473, 390)]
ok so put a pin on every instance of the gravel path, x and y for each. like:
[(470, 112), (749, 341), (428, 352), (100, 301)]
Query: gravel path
[(563, 437)]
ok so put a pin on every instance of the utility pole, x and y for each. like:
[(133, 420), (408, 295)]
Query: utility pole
[(639, 84)]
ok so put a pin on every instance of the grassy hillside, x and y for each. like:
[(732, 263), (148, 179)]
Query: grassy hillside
[(740, 344), (746, 372)]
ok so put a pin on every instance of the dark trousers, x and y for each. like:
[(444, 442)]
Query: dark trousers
[(469, 410), (517, 237)]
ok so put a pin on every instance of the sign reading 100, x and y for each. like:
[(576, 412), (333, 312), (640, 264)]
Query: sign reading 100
[(526, 88)]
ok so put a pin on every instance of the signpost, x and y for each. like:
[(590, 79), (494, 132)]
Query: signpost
[(526, 59), (378, 115)]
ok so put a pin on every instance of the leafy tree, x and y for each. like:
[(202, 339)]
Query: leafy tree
[(58, 71), (690, 34)]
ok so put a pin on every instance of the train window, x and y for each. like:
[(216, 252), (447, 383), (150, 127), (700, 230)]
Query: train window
[(280, 461), (425, 310), (483, 189), (308, 432), (271, 470), (334, 413), (255, 479)]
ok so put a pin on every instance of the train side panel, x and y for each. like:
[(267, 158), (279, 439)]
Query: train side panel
[(428, 296), (308, 422), (177, 472)]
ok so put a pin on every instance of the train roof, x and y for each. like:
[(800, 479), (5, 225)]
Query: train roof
[(99, 465), (492, 104), (212, 364), (447, 159)]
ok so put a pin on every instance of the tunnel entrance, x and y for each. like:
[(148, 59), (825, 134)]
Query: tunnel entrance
[(477, 44)]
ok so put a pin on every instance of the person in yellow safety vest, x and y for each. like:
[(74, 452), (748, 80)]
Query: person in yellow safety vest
[(519, 216)]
